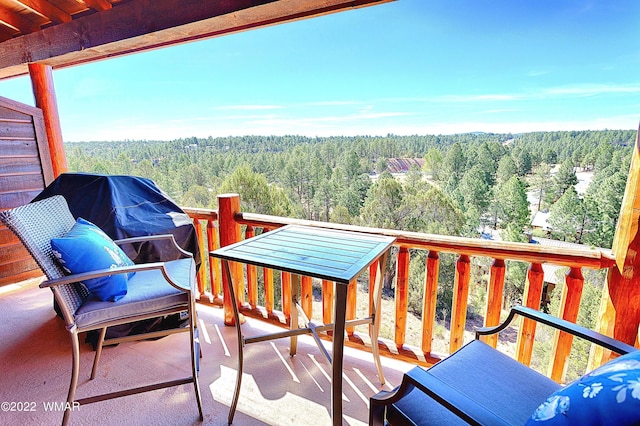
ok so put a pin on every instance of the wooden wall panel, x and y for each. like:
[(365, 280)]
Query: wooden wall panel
[(25, 170), (11, 114)]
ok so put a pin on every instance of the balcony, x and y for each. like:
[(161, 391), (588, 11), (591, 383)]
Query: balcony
[(276, 389), (36, 359), (301, 385)]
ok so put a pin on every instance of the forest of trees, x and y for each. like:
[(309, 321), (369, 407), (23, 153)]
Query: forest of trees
[(468, 182)]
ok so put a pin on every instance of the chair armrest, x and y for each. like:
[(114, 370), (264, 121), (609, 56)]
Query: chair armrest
[(451, 399), (559, 324), (75, 278)]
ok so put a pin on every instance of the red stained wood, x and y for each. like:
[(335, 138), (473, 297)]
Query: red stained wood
[(44, 92), (286, 294), (352, 293), (228, 207), (201, 276), (432, 265), (215, 274), (252, 275), (269, 295), (495, 297), (533, 296), (569, 306), (402, 295), (623, 311), (306, 295), (327, 301), (460, 301)]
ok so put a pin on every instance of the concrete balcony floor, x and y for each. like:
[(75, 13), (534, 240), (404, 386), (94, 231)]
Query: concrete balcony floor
[(35, 357)]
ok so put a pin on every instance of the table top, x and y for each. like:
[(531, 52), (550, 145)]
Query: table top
[(317, 252)]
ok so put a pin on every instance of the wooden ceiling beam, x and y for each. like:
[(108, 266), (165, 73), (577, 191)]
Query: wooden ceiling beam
[(140, 25), (16, 21), (98, 4), (47, 10)]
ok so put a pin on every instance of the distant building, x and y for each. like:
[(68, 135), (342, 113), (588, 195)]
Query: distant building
[(402, 165), (554, 274), (540, 221)]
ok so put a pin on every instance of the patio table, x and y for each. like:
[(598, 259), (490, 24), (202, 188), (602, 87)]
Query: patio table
[(327, 254)]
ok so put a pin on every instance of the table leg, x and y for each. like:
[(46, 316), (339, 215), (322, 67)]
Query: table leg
[(338, 349), (374, 327), (226, 276), (293, 321)]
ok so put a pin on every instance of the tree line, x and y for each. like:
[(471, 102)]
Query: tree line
[(468, 182)]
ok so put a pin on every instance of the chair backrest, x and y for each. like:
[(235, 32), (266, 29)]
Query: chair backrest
[(35, 224)]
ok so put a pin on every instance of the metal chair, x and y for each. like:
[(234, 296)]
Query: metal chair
[(479, 385), (156, 290)]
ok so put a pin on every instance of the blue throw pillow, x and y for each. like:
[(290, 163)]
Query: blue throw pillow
[(609, 394), (87, 248)]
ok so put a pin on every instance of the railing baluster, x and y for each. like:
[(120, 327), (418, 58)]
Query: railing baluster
[(533, 296), (327, 301), (495, 296), (460, 301), (252, 272), (569, 306), (269, 295), (429, 300), (402, 295), (202, 274), (307, 296), (215, 274), (352, 295), (286, 294), (229, 218), (373, 271)]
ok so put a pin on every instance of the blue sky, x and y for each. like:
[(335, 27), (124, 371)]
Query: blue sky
[(407, 67)]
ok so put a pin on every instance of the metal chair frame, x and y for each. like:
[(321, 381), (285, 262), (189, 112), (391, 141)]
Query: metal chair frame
[(35, 224)]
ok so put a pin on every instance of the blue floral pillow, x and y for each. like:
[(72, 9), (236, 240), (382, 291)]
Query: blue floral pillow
[(87, 248), (609, 394)]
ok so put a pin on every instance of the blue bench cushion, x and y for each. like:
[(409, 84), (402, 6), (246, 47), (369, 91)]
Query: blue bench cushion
[(496, 381), (148, 293)]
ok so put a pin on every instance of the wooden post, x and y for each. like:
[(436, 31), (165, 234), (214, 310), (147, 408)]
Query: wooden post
[(373, 270), (252, 274), (429, 300), (285, 294), (215, 272), (402, 295), (494, 299), (306, 295), (327, 301), (533, 296), (45, 97), (202, 271), (569, 306), (460, 302), (228, 206), (269, 293), (352, 298), (622, 310)]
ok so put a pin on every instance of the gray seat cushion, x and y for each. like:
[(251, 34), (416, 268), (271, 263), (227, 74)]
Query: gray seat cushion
[(148, 293), (486, 376)]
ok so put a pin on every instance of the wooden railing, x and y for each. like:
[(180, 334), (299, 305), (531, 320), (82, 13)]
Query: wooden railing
[(229, 220)]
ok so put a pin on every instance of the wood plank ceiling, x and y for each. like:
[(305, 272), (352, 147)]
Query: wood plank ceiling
[(62, 33)]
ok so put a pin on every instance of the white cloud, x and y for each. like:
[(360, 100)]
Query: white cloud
[(248, 107), (592, 89)]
